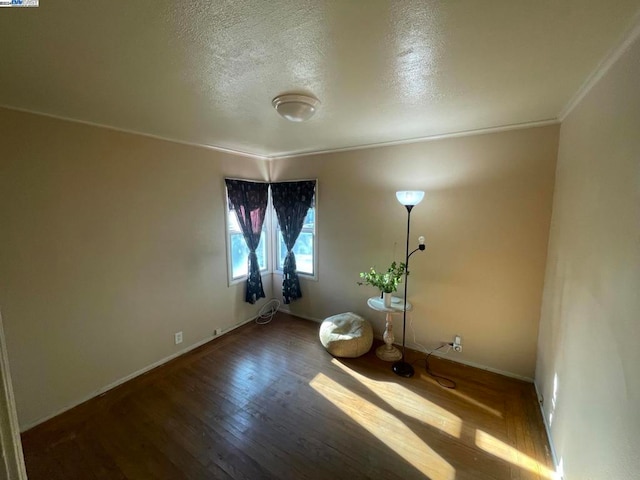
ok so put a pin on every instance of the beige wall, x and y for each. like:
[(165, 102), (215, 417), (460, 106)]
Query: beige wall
[(486, 218), (109, 243), (112, 242), (588, 353)]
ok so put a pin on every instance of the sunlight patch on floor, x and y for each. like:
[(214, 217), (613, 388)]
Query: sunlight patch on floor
[(386, 428), (498, 448), (409, 403), (464, 397)]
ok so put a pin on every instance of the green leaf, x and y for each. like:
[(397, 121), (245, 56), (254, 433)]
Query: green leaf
[(388, 281)]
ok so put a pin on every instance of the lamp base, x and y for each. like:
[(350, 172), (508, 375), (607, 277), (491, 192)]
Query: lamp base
[(403, 369)]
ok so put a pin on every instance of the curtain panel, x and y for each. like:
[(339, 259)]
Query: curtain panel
[(249, 202), (291, 201)]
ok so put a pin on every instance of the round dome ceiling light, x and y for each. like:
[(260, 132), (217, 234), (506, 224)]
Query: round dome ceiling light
[(295, 107)]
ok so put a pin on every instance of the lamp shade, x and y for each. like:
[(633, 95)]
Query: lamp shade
[(410, 197)]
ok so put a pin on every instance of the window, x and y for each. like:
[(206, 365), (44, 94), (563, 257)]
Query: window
[(304, 249), (271, 250), (238, 250)]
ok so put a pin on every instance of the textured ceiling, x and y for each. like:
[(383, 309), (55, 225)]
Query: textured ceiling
[(205, 72)]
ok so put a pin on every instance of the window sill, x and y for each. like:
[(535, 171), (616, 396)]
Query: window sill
[(238, 280)]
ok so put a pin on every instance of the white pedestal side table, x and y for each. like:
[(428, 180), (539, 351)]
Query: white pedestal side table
[(388, 352)]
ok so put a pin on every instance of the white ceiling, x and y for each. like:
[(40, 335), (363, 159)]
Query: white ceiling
[(204, 72)]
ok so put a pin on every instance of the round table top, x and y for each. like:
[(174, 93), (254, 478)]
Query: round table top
[(397, 305)]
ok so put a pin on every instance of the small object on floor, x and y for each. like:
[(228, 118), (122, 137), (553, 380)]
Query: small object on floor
[(346, 335)]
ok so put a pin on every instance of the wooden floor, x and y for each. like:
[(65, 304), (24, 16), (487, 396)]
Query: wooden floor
[(268, 402)]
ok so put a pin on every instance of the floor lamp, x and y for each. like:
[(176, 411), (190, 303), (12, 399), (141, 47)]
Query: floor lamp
[(409, 199)]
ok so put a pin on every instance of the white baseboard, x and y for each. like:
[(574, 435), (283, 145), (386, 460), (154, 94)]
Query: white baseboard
[(547, 428), (484, 367), (285, 309), (436, 353), (133, 375)]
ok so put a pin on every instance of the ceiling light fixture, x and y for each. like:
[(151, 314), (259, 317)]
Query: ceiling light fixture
[(295, 107)]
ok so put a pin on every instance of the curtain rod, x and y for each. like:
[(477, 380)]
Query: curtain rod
[(246, 180), (269, 181), (296, 180)]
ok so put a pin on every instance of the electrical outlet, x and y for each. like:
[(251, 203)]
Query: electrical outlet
[(178, 337), (217, 332), (457, 343)]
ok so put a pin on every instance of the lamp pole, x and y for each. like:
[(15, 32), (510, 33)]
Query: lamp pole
[(409, 199)]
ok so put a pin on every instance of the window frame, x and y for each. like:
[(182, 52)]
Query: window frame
[(266, 228), (276, 239), (271, 230)]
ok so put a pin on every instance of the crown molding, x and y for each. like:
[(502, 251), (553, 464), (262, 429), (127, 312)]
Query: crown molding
[(277, 156), (463, 133), (142, 134), (626, 39)]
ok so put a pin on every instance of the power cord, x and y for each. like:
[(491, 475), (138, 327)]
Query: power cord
[(442, 381), (268, 310), (439, 378), (413, 332)]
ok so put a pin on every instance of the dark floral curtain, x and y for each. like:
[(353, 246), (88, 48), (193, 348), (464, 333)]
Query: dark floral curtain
[(291, 201), (249, 201)]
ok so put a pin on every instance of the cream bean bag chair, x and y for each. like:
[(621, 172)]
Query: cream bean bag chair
[(346, 335)]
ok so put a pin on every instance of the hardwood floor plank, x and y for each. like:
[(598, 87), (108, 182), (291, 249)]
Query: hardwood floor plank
[(268, 402)]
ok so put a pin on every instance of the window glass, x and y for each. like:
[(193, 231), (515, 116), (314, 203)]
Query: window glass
[(304, 247), (238, 250), (271, 245), (240, 255)]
